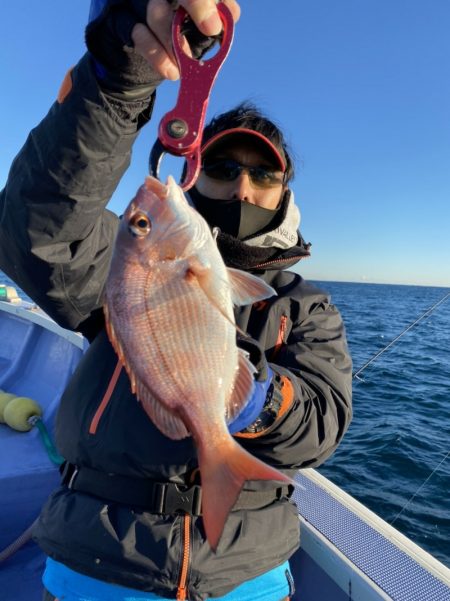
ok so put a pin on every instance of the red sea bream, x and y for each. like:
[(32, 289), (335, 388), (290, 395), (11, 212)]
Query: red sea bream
[(169, 311)]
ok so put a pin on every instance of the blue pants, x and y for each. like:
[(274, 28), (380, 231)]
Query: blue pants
[(275, 585), (49, 597)]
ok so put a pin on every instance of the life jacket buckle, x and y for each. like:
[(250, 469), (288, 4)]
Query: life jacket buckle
[(174, 498)]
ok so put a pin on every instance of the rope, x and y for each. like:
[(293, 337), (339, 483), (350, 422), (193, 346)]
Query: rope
[(53, 455), (17, 544)]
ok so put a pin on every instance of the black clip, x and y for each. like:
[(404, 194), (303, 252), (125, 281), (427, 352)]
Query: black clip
[(173, 498)]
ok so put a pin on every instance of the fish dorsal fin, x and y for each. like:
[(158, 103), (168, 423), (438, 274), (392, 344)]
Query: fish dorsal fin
[(246, 288), (242, 387), (154, 185), (166, 421)]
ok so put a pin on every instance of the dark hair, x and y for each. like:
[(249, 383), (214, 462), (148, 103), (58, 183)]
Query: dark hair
[(249, 116)]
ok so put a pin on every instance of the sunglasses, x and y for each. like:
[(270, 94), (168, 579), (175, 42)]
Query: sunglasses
[(227, 170)]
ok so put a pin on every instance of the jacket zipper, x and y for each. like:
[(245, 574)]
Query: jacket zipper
[(106, 398), (182, 588), (281, 336), (275, 261)]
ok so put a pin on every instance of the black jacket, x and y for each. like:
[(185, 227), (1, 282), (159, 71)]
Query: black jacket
[(55, 243)]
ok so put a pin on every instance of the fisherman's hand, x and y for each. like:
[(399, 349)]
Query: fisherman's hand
[(131, 40), (263, 382), (153, 37)]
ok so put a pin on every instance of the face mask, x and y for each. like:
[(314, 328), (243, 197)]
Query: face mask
[(234, 217)]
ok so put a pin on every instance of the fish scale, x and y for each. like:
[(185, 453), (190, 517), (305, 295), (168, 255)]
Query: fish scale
[(173, 334)]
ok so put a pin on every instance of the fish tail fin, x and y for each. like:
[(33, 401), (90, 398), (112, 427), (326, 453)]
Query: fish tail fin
[(224, 471)]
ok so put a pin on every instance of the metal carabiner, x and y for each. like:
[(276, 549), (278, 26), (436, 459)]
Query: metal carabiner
[(180, 130)]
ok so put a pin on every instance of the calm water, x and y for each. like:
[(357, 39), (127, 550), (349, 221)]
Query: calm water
[(401, 426)]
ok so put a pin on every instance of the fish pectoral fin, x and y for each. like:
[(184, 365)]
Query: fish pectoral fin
[(242, 386), (165, 420), (202, 271), (200, 267), (246, 288)]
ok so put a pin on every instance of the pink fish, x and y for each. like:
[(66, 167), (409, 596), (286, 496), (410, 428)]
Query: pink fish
[(169, 312)]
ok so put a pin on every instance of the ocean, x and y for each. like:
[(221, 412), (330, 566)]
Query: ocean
[(393, 458), (400, 431)]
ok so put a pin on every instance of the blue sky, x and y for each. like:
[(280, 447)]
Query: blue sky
[(362, 89)]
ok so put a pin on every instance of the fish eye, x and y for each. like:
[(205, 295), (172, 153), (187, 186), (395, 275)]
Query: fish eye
[(139, 225)]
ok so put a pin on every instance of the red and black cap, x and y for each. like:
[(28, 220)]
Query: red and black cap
[(232, 135)]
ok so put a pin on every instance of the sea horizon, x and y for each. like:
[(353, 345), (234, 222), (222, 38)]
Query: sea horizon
[(3, 276)]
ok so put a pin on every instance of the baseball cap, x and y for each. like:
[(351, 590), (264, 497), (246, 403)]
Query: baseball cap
[(228, 135)]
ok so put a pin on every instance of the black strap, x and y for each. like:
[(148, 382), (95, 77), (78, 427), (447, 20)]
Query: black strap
[(156, 497)]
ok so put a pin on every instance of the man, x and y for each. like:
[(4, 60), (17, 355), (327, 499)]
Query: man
[(126, 521)]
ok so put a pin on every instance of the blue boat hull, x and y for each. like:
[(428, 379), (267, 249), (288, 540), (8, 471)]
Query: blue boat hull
[(37, 358)]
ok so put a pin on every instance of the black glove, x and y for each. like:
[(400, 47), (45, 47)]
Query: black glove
[(108, 39)]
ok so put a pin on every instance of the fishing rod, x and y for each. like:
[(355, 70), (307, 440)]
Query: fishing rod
[(413, 496), (427, 313), (411, 325)]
